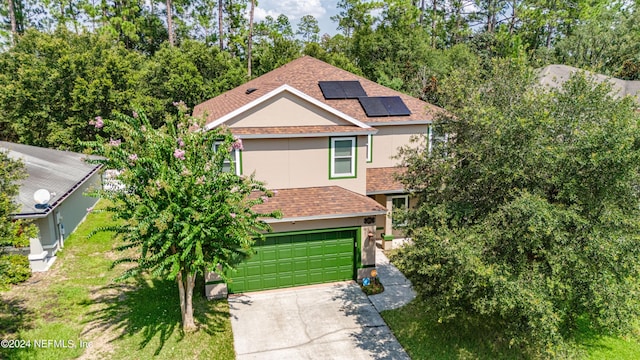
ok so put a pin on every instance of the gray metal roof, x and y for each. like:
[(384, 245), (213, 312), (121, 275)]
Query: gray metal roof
[(59, 172), (556, 75)]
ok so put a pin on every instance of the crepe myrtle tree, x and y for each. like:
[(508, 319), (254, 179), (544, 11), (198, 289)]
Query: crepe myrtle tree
[(176, 205)]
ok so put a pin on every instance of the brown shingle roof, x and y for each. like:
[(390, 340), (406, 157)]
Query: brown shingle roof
[(304, 74), (383, 180), (320, 202), (278, 130)]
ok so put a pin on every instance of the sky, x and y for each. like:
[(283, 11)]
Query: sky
[(322, 10)]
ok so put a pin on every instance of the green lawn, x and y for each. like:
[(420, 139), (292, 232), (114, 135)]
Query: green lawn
[(419, 332), (77, 300)]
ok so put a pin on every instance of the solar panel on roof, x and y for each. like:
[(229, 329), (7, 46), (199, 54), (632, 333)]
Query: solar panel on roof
[(341, 89), (373, 106), (395, 106), (384, 106), (332, 90), (352, 89)]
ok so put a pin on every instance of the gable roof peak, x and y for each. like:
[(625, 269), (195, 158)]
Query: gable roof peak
[(304, 75)]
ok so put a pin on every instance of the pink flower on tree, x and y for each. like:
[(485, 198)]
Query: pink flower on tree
[(133, 157), (180, 142), (179, 154), (237, 144), (180, 105), (233, 215), (114, 142), (135, 114), (98, 123)]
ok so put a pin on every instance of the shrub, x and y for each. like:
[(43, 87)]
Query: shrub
[(13, 269)]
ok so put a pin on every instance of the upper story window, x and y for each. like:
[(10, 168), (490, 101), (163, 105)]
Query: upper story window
[(232, 162), (342, 155), (437, 140)]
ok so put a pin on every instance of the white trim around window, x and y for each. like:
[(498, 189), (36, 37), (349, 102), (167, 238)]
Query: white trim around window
[(369, 148), (435, 137), (345, 157), (235, 154), (405, 206)]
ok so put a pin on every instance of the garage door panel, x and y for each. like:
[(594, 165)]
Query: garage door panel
[(285, 266), (298, 259), (285, 280), (316, 263), (267, 253), (330, 274), (267, 283), (252, 270), (330, 262), (300, 265), (301, 278)]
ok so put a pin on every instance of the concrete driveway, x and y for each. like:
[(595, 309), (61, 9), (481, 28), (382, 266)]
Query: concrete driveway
[(330, 321)]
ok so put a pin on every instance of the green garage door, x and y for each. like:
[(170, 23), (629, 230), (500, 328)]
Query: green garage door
[(298, 259)]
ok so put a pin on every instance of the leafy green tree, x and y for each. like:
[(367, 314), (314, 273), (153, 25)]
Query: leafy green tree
[(274, 44), (192, 72), (309, 29), (603, 42), (355, 15), (12, 232), (179, 209), (528, 217), (16, 233), (51, 84)]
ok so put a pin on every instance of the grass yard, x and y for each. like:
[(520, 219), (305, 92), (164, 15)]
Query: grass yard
[(77, 301), (423, 337)]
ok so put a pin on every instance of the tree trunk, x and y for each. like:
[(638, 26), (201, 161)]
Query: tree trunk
[(14, 24), (170, 23), (491, 16), (74, 17), (433, 23), (514, 16), (220, 27), (250, 39), (185, 289), (421, 12)]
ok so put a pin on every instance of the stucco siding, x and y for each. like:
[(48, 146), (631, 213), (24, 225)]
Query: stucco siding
[(299, 162), (285, 110), (387, 141)]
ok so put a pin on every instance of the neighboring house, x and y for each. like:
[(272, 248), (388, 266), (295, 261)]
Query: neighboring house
[(323, 138), (66, 176), (556, 75)]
